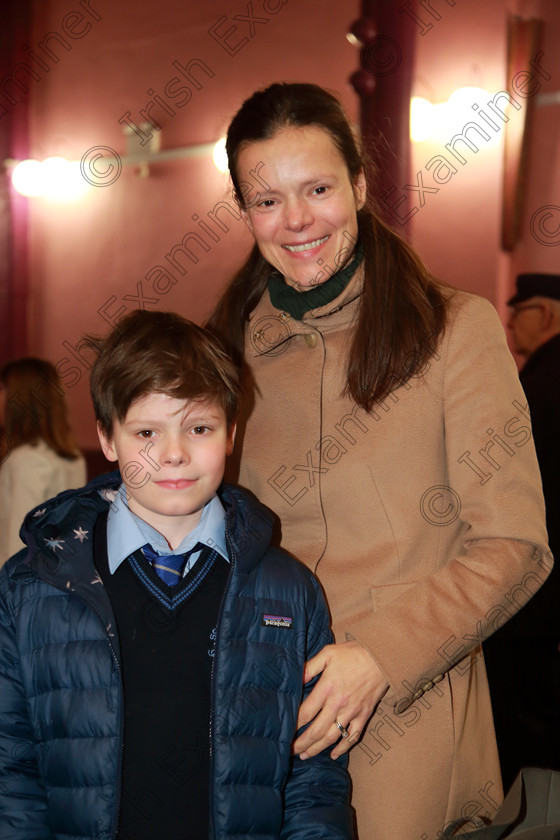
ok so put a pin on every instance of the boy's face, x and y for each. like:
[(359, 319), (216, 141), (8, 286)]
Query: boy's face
[(171, 455)]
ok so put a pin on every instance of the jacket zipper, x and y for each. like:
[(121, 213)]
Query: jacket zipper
[(118, 785), (211, 827)]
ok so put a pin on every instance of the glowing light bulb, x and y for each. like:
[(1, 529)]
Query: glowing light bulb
[(421, 119), (460, 103), (27, 177), (219, 155), (63, 180), (55, 179)]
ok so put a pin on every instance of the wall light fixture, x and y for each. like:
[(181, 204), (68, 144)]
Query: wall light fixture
[(60, 180), (436, 120)]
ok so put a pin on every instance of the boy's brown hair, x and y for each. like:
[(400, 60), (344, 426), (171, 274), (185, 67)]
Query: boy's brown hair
[(162, 353)]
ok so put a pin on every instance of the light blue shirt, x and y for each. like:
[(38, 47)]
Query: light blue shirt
[(126, 532)]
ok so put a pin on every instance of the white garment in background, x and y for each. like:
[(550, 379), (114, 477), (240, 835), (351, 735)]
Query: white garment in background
[(31, 475)]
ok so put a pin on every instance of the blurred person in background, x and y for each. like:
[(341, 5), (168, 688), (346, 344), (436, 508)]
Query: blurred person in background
[(38, 451), (526, 708)]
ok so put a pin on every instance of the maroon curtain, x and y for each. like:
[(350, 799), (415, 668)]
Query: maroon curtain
[(14, 144), (386, 34)]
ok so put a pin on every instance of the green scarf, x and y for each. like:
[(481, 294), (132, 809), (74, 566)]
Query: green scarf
[(288, 299)]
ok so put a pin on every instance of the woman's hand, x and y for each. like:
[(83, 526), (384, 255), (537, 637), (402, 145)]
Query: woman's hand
[(348, 691)]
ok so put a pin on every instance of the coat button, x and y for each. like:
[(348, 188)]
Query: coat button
[(284, 316), (417, 694), (438, 678), (428, 685), (311, 339)]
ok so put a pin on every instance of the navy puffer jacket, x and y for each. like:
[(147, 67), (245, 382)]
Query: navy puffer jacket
[(61, 692)]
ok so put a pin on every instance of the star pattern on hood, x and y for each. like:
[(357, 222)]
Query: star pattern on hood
[(108, 493), (55, 543), (80, 533)]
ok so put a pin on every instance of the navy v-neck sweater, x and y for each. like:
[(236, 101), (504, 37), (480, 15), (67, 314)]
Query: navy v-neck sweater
[(166, 638)]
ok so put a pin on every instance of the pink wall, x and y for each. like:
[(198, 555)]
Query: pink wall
[(90, 256), (458, 229)]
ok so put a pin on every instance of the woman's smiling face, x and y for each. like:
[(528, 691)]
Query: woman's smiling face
[(304, 220)]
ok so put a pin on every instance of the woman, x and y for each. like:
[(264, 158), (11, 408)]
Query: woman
[(39, 454), (387, 429)]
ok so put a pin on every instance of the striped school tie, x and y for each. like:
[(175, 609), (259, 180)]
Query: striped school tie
[(169, 567)]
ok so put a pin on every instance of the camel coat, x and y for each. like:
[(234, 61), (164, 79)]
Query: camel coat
[(424, 521)]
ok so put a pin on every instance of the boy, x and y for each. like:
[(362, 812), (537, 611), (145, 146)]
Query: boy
[(147, 691)]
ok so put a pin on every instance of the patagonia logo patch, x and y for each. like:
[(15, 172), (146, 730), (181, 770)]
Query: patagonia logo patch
[(277, 621)]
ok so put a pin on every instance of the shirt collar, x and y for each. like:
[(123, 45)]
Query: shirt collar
[(126, 532)]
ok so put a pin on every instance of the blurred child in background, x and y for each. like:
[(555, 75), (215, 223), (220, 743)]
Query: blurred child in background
[(38, 454)]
